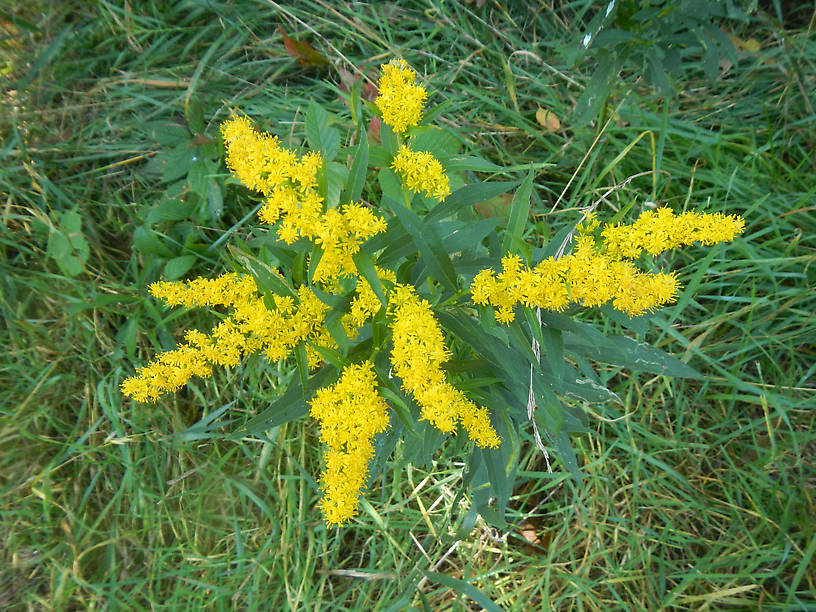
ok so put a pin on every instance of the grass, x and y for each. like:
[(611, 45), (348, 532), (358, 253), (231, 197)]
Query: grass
[(695, 494)]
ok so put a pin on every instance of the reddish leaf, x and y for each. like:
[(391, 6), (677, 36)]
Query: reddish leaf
[(548, 120), (496, 207), (374, 129), (304, 53), (348, 79)]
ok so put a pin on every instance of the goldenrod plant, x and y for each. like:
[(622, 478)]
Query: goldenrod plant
[(400, 309)]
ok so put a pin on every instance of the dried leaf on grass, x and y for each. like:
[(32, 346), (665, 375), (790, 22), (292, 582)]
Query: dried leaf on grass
[(305, 54), (548, 120)]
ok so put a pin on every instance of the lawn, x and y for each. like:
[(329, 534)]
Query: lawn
[(693, 494)]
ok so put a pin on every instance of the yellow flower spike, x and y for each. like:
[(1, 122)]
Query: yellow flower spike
[(249, 328), (419, 351), (590, 279), (169, 372), (256, 159), (350, 413), (365, 303), (421, 172), (340, 235), (659, 230), (226, 290), (400, 100), (594, 274)]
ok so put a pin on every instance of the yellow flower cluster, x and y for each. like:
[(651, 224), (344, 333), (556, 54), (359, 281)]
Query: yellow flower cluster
[(225, 290), (259, 161), (400, 99), (421, 172), (290, 184), (658, 230), (418, 353), (350, 413), (365, 303), (250, 327), (595, 274)]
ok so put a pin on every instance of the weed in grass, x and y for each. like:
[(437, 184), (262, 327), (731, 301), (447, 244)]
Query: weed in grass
[(229, 530)]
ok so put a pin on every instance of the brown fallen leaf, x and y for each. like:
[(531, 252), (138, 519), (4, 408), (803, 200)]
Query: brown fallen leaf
[(751, 45), (534, 537), (305, 54), (496, 207), (548, 120)]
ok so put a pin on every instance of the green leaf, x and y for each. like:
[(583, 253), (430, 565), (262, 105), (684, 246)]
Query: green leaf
[(565, 452), (359, 170), (194, 114), (519, 212), (215, 199), (337, 331), (289, 407), (388, 139), (549, 414), (66, 244), (197, 178), (168, 133), (427, 242), (330, 355), (462, 163), (321, 137), (465, 235), (336, 176), (552, 345), (390, 184), (502, 462), (639, 324), (178, 266), (598, 89), (175, 163), (629, 353), (395, 238), (266, 278), (466, 197), (127, 335), (302, 365), (353, 102), (437, 141), (378, 157), (465, 588), (171, 210), (365, 266), (146, 241), (206, 427)]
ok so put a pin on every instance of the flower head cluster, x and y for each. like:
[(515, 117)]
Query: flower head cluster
[(418, 353), (290, 182), (250, 327), (596, 274), (400, 99), (258, 160), (350, 413), (365, 303), (421, 172), (659, 230)]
